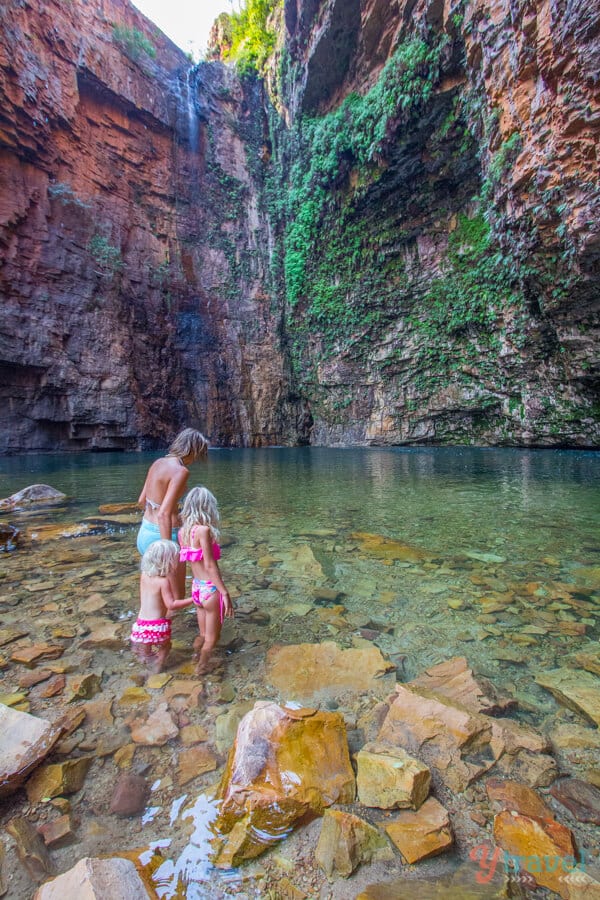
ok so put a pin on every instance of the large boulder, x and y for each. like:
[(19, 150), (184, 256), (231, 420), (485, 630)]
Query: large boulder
[(24, 742), (285, 764), (34, 495), (96, 879)]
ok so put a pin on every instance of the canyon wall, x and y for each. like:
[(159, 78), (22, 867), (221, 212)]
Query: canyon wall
[(131, 246), (391, 237), (441, 241)]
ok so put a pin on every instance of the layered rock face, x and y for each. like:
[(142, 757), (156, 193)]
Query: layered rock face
[(393, 238), (127, 227), (443, 285)]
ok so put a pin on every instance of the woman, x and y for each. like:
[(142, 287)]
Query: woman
[(164, 487)]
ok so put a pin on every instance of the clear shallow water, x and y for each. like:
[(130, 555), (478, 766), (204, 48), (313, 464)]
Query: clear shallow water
[(510, 538)]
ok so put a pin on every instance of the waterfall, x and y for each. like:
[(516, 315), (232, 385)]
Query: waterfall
[(193, 125)]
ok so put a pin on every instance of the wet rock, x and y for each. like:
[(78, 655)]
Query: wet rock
[(130, 795), (468, 882), (285, 763), (575, 737), (387, 778), (443, 735), (58, 779), (345, 842), (31, 849), (580, 798), (9, 537), (589, 661), (521, 753), (517, 797), (195, 761), (83, 687), (10, 634), (24, 742), (108, 636), (156, 730), (28, 656), (545, 847), (50, 688), (327, 596), (3, 876), (388, 549), (96, 879), (38, 494), (307, 672), (194, 734), (422, 833), (300, 562), (58, 832), (578, 690), (226, 725), (455, 680)]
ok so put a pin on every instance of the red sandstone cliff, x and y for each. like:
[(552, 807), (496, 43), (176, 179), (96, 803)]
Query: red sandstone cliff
[(119, 242)]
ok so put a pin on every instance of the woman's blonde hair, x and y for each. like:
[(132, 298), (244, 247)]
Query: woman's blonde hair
[(160, 558), (199, 508), (189, 442)]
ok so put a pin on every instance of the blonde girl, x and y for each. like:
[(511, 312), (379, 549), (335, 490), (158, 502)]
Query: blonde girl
[(198, 539), (151, 632)]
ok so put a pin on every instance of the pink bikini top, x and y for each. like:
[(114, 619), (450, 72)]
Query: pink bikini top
[(193, 554)]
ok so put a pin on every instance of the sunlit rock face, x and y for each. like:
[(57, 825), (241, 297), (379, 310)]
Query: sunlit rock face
[(286, 763)]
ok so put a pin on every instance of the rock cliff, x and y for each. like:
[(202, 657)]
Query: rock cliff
[(392, 237)]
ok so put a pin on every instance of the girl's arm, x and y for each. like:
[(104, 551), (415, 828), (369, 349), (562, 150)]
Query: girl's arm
[(169, 600), (202, 536)]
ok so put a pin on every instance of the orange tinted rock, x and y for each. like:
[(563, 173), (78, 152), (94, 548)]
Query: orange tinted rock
[(422, 833), (279, 770), (346, 841), (520, 798), (545, 848), (455, 680), (306, 672)]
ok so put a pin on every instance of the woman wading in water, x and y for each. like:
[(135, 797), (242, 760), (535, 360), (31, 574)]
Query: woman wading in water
[(164, 487)]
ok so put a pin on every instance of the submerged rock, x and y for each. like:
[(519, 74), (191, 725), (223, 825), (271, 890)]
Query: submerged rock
[(31, 849), (24, 742), (579, 690), (345, 842), (580, 798), (307, 672), (285, 764), (455, 680), (58, 779), (130, 795)]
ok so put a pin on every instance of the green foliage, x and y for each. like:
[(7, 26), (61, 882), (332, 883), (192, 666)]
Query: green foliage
[(107, 258), (250, 38), (133, 42), (353, 136)]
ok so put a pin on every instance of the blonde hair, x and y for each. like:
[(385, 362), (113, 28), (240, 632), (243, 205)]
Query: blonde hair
[(200, 508), (160, 558), (189, 442)]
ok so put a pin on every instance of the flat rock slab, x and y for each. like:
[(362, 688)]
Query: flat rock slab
[(422, 834), (24, 742), (577, 689), (455, 680), (310, 672), (580, 798), (96, 879)]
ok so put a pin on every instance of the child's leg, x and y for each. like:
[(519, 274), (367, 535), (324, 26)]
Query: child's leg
[(212, 632), (201, 616), (158, 658)]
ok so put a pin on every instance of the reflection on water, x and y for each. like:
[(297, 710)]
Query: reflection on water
[(494, 555)]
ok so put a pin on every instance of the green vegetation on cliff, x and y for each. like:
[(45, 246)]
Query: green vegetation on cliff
[(250, 36)]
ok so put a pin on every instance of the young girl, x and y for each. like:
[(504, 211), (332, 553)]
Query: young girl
[(198, 540), (151, 632)]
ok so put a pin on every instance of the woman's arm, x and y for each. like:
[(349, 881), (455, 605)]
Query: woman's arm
[(168, 507)]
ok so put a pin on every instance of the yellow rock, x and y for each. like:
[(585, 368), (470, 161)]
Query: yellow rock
[(58, 779), (387, 778)]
